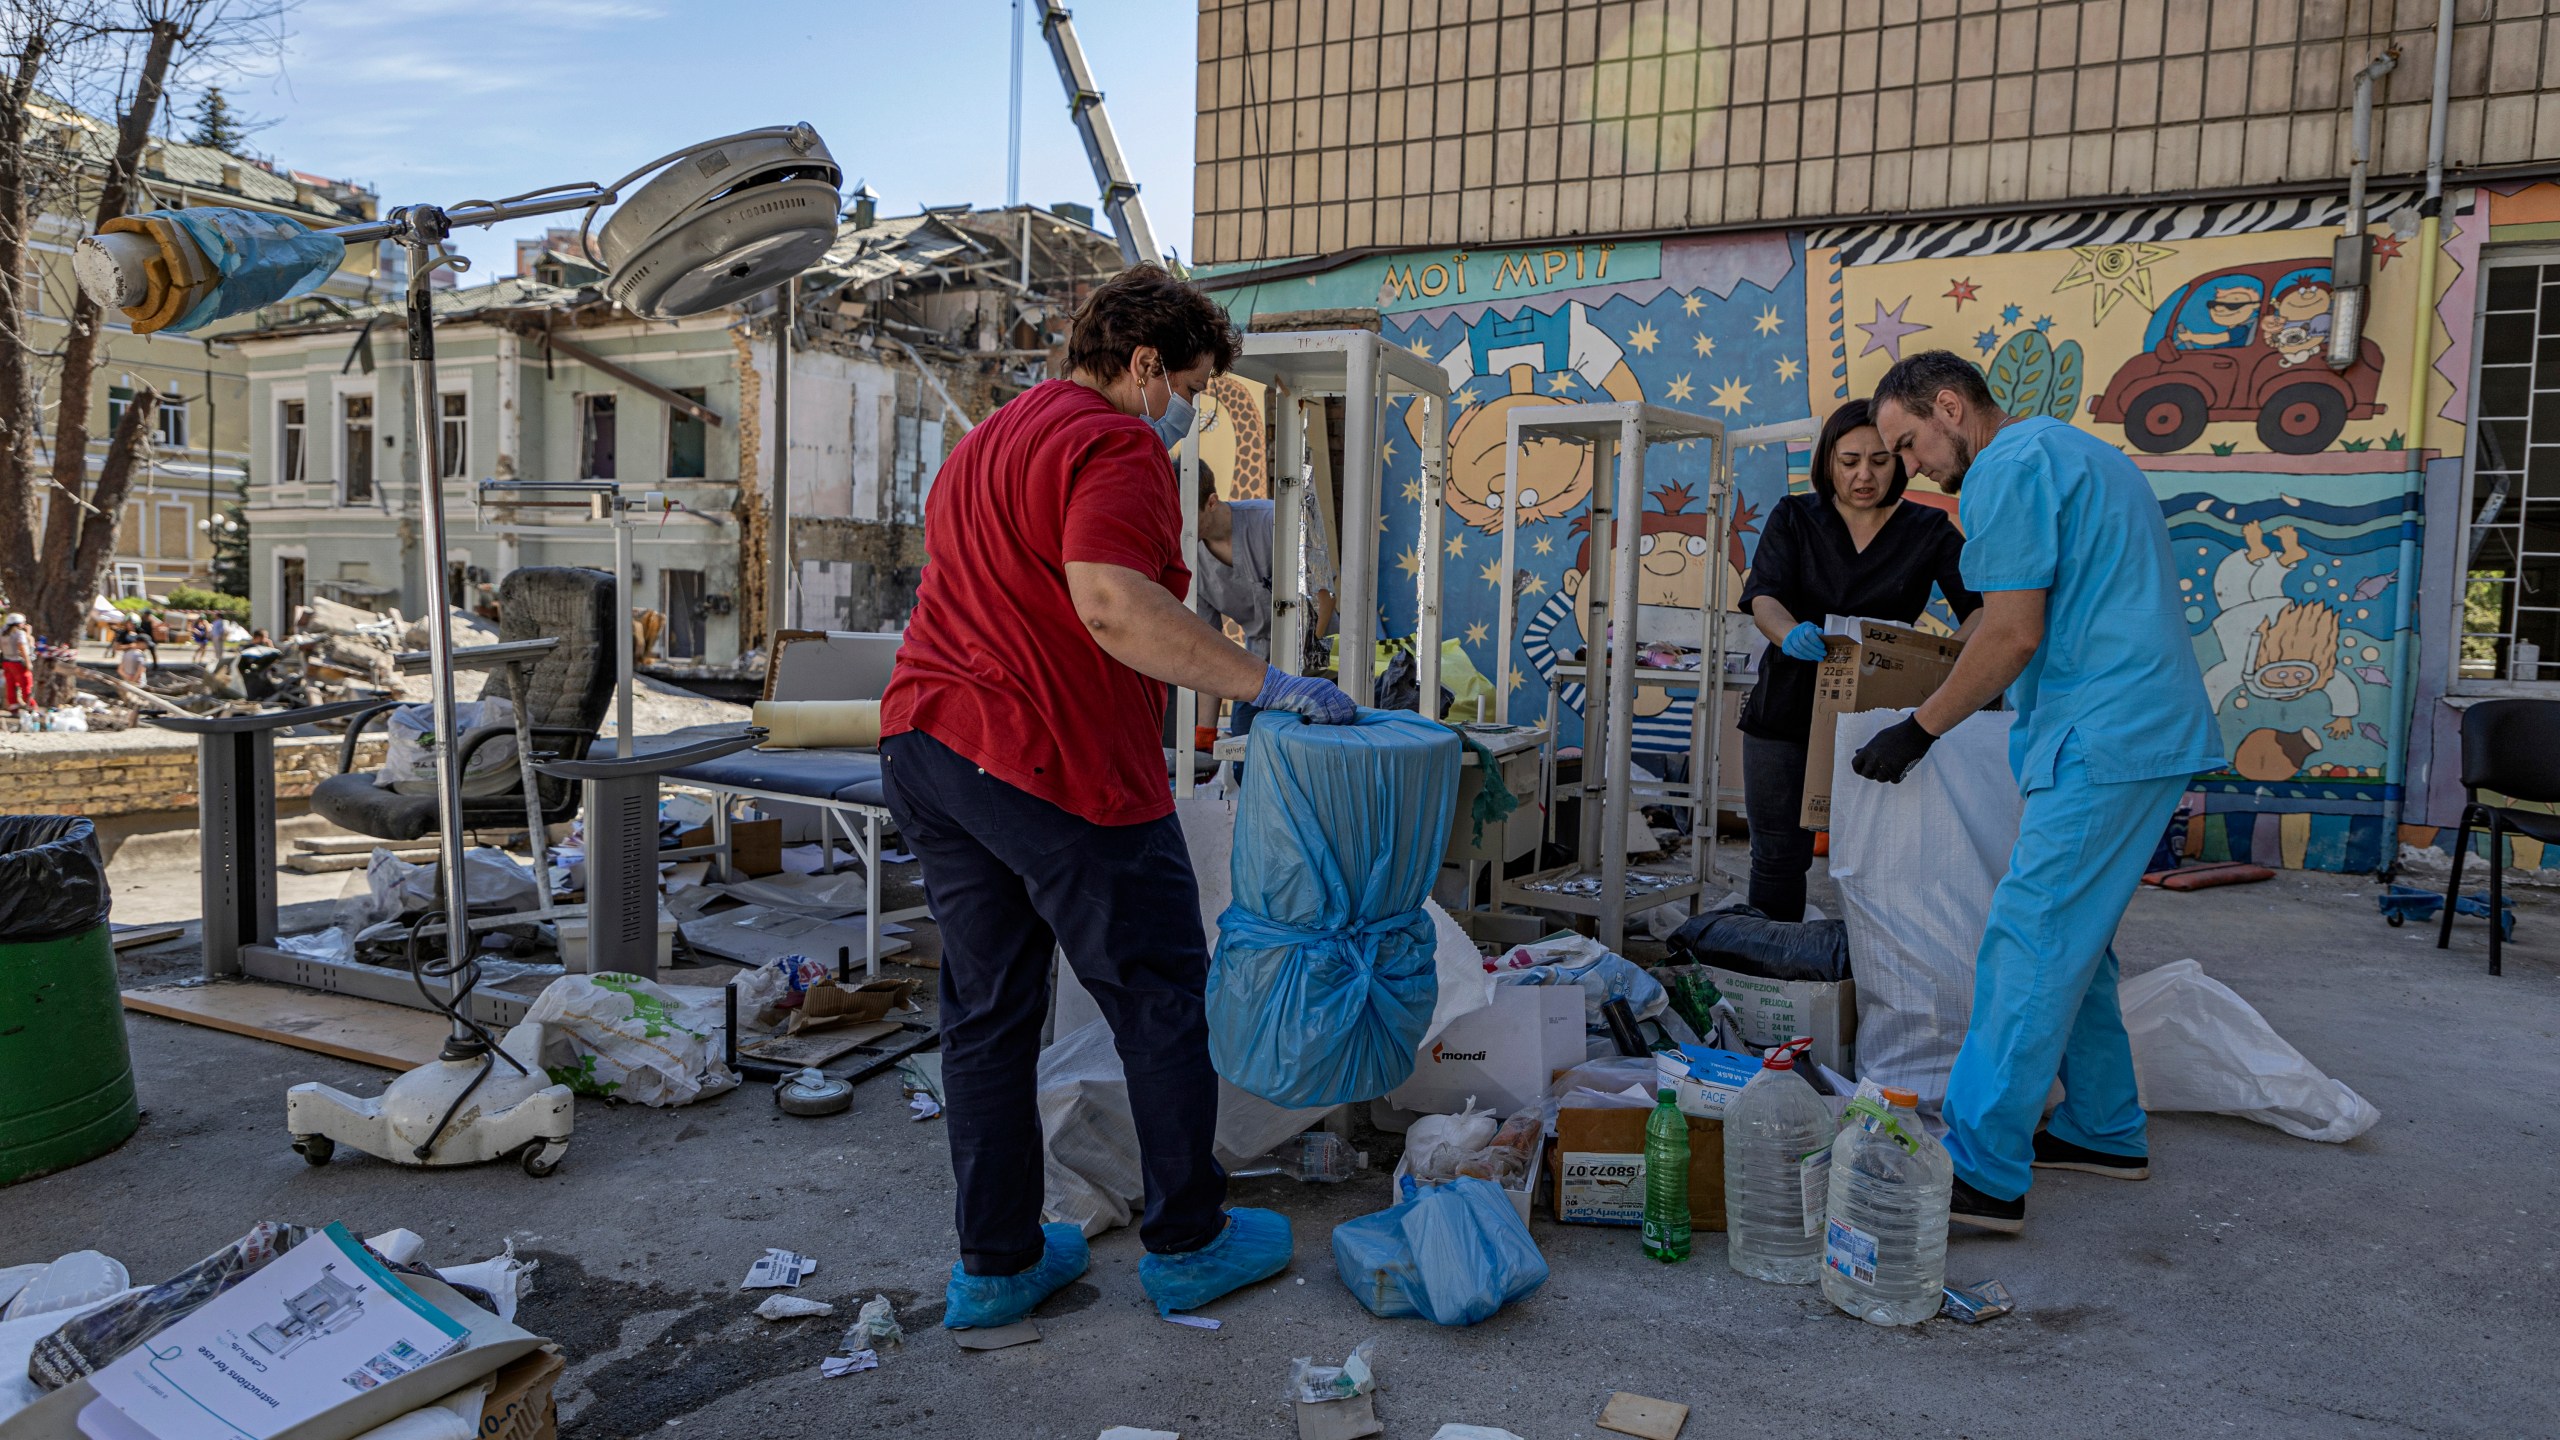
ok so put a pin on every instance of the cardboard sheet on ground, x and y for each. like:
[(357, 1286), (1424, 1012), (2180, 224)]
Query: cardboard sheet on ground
[(760, 935), (486, 1344), (1092, 1175)]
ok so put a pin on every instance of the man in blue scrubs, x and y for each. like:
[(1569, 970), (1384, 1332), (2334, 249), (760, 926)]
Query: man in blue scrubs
[(2082, 626)]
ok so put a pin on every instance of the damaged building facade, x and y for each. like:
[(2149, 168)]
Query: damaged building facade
[(912, 330)]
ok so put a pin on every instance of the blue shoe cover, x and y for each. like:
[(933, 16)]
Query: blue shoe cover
[(986, 1302), (1256, 1245)]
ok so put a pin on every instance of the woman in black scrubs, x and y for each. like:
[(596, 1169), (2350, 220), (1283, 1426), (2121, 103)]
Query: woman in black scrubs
[(1850, 548)]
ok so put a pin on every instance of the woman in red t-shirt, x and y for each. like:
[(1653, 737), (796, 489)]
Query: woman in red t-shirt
[(1022, 740)]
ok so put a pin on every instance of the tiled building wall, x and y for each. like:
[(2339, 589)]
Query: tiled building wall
[(1326, 125)]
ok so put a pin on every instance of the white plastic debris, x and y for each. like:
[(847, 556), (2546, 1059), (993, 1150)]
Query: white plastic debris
[(505, 1278), (792, 1307), (835, 1365), (1196, 1322), (876, 1325), (1471, 1432), (2198, 1046), (924, 1106), (778, 1268), (83, 1277)]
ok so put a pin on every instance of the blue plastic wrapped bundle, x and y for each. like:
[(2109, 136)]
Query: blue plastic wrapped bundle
[(1323, 982), (1453, 1254), (215, 262)]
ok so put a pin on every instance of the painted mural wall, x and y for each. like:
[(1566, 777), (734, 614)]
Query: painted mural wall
[(2191, 336)]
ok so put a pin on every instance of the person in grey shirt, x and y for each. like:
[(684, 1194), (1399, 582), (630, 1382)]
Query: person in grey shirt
[(1231, 578)]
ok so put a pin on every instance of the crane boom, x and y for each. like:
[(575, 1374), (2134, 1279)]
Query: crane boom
[(1084, 103)]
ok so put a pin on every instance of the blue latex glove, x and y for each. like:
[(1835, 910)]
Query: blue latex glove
[(1256, 1245), (991, 1302), (1804, 642), (1320, 701)]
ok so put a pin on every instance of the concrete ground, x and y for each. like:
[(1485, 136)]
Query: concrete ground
[(2257, 1285)]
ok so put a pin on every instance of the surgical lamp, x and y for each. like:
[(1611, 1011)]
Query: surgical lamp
[(713, 224)]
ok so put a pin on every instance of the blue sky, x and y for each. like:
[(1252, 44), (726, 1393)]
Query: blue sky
[(444, 100)]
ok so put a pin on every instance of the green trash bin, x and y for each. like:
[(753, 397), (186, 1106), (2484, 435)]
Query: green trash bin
[(66, 1078)]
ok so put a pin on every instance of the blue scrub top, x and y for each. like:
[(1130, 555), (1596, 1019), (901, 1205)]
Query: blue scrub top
[(2048, 507)]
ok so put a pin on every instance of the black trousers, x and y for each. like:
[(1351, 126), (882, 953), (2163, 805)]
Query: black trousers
[(1012, 877), (1781, 848)]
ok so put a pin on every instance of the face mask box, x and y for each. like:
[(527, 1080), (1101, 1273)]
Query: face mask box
[(1704, 1079), (1881, 666)]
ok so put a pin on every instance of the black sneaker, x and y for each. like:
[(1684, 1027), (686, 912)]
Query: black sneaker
[(1969, 1206), (2055, 1153)]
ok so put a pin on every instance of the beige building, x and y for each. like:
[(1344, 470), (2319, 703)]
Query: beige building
[(1333, 125), (200, 456)]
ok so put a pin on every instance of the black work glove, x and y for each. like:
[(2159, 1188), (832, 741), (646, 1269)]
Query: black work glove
[(1893, 752)]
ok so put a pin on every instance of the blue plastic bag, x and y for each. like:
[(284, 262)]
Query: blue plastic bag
[(263, 259), (1323, 982), (1453, 1254)]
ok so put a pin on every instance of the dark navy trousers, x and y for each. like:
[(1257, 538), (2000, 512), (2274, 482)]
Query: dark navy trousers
[(1011, 879)]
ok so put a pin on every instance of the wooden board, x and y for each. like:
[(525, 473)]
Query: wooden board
[(817, 1047), (368, 1032), (1644, 1417)]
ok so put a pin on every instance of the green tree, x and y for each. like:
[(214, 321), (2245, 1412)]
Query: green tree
[(215, 125)]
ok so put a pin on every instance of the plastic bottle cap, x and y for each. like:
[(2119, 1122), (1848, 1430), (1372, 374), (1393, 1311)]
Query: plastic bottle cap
[(1667, 1097), (1901, 1099)]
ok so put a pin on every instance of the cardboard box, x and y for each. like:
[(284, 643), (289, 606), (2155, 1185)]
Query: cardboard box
[(520, 1404), (1503, 1054), (1599, 1168), (828, 1003), (1776, 1011), (1888, 667), (1400, 1185), (755, 846)]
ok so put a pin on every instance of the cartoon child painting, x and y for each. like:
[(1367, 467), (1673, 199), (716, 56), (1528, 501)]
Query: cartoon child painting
[(2275, 652), (1671, 569), (2297, 327), (1555, 476), (2230, 316)]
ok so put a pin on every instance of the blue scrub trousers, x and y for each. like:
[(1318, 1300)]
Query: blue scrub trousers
[(1012, 880), (2044, 981)]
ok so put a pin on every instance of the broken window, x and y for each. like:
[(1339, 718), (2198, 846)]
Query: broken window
[(688, 439), (595, 437), (918, 457), (2510, 620), (355, 452), (453, 436), (289, 452)]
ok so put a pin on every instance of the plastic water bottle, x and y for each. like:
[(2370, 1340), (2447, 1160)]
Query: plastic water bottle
[(1319, 1157), (1884, 1255), (1666, 1181), (1777, 1172)]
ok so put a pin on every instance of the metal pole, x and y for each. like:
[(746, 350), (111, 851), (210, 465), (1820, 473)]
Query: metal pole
[(1357, 602), (426, 229), (1013, 123), (622, 656), (2395, 774), (777, 583)]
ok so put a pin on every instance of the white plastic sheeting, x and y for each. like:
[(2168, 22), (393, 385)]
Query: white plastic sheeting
[(2198, 1046), (1916, 864)]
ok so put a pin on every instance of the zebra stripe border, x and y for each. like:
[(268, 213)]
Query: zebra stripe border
[(1886, 242)]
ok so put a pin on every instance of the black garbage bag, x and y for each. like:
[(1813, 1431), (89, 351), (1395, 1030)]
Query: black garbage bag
[(53, 880), (1399, 687), (1749, 943)]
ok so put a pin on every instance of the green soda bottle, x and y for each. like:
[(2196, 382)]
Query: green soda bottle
[(1666, 1181)]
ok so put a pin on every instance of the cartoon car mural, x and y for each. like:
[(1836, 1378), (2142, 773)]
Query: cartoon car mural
[(2243, 343)]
